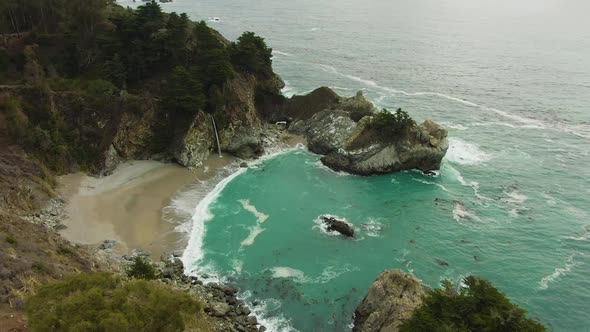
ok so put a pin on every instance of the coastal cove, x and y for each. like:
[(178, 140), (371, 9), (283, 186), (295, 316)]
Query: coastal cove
[(274, 166), (515, 171)]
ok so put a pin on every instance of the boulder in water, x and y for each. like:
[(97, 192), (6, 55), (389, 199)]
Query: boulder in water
[(339, 226), (391, 299)]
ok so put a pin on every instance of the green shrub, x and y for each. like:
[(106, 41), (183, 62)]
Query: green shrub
[(141, 268), (100, 88), (251, 54), (63, 249), (40, 267), (396, 124), (64, 84), (477, 307), (10, 239), (104, 302)]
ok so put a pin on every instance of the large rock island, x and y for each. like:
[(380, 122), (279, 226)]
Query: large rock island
[(356, 138)]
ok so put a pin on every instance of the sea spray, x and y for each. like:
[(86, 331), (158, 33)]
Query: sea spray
[(461, 152)]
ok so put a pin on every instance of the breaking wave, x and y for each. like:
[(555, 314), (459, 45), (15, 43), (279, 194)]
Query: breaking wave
[(559, 272), (461, 152)]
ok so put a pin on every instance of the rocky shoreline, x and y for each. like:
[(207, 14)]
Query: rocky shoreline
[(330, 130), (221, 302)]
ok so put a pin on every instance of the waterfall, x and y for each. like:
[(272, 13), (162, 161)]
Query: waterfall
[(216, 135)]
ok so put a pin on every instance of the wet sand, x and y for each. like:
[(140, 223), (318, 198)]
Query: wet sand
[(128, 205)]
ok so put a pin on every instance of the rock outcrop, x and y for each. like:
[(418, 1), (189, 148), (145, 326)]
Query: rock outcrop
[(195, 144), (335, 225), (391, 299), (97, 132), (344, 134)]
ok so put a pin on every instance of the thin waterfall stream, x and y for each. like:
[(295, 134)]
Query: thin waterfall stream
[(216, 135)]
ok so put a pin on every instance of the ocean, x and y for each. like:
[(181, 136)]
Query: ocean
[(510, 80)]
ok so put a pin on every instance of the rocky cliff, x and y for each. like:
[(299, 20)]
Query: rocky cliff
[(343, 131), (73, 130), (390, 299)]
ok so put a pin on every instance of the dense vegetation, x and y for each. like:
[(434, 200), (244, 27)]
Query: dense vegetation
[(476, 307), (100, 56), (393, 125), (105, 302), (141, 268)]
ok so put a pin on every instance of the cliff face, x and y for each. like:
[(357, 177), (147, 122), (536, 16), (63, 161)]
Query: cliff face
[(342, 131), (95, 133), (390, 299)]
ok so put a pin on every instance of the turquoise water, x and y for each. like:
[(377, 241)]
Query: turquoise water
[(511, 82)]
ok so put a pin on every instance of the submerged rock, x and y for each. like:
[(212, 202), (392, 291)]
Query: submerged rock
[(391, 299), (338, 226)]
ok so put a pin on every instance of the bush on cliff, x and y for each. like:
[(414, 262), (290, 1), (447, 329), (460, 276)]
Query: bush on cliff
[(105, 302), (141, 268), (250, 54), (393, 125), (477, 307)]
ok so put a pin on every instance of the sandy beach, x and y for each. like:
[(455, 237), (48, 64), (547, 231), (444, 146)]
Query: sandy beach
[(128, 205), (132, 205)]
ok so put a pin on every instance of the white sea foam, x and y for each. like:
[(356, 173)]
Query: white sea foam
[(321, 165), (273, 322), (328, 274), (461, 152), (254, 232), (514, 197), (314, 29), (277, 52), (550, 200), (454, 126), (340, 88), (460, 213), (261, 217), (288, 272), (194, 251), (237, 265), (583, 235), (559, 272), (372, 227), (461, 179), (287, 90), (333, 272), (431, 183)]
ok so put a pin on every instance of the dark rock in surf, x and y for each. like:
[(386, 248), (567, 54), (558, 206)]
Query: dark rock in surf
[(339, 226)]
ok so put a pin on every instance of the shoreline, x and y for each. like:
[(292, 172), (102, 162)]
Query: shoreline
[(127, 207), (147, 205)]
